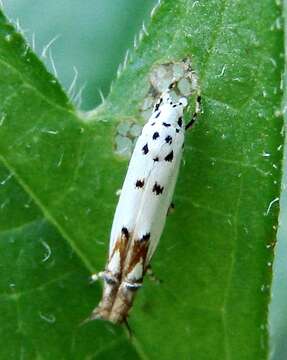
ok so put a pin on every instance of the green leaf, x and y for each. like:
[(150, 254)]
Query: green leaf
[(45, 295), (278, 309), (216, 252)]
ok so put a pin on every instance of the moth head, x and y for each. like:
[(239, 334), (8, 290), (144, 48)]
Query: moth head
[(182, 102), (169, 105)]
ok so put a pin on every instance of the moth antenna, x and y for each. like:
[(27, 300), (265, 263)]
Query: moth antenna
[(196, 112)]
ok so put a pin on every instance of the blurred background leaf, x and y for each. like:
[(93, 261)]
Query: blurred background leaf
[(93, 40), (89, 38)]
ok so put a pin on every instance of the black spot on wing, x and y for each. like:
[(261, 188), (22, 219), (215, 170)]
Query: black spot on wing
[(157, 115), (169, 157), (155, 135), (166, 124), (158, 105), (125, 232), (177, 130), (156, 159), (157, 189), (140, 183), (145, 149), (168, 139), (145, 237), (179, 121)]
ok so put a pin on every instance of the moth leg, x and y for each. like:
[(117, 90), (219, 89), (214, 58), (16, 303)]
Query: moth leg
[(152, 275), (97, 276), (196, 112), (132, 285), (171, 208), (129, 330), (107, 276)]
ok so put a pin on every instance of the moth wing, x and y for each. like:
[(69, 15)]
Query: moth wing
[(126, 213), (160, 214), (157, 198)]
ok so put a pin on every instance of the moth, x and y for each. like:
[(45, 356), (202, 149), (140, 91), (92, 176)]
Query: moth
[(143, 205)]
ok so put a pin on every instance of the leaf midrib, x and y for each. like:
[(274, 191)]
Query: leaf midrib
[(47, 214)]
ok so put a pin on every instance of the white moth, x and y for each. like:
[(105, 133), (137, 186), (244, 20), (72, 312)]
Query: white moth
[(142, 208)]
